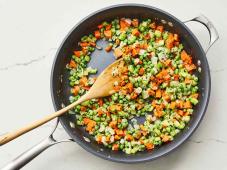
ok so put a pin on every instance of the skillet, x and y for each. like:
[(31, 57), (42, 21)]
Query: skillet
[(60, 89)]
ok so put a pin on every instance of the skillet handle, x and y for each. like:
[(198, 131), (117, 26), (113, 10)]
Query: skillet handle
[(210, 27), (31, 153)]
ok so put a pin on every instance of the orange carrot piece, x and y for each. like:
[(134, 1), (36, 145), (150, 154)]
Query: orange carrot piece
[(108, 48), (72, 64), (108, 33), (135, 32), (141, 71), (149, 146), (108, 27), (135, 22), (76, 90), (115, 147), (118, 53), (160, 28), (172, 105), (187, 105), (83, 81), (158, 93), (77, 53), (165, 138), (83, 108), (129, 137), (97, 34)]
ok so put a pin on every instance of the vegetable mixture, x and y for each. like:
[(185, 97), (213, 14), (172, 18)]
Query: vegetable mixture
[(157, 83)]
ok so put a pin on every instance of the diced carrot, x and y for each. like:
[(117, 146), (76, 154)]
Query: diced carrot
[(151, 92), (83, 81), (167, 62), (153, 103), (190, 67), (113, 124), (84, 44), (134, 96), (165, 138), (170, 40), (180, 104), (108, 139), (72, 64), (149, 146), (99, 139), (123, 24), (187, 105), (108, 48), (187, 80), (160, 28), (135, 22), (176, 77), (115, 147), (90, 126), (117, 88), (153, 25), (100, 112), (118, 53), (162, 74), (116, 137), (180, 112), (135, 51), (184, 56), (83, 108), (100, 26), (139, 106), (158, 93), (129, 137), (158, 113), (86, 120), (93, 44), (120, 132), (77, 53), (129, 87), (154, 86), (141, 71), (115, 107), (97, 34), (108, 27), (107, 113), (135, 32), (172, 105), (166, 96), (84, 50), (108, 33), (76, 90), (100, 102)]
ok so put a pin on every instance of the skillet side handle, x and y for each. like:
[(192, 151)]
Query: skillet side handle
[(210, 27), (31, 153)]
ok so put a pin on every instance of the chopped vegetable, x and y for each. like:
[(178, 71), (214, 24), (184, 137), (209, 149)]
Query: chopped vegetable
[(157, 82)]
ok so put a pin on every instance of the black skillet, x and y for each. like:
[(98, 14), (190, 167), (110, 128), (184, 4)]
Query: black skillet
[(100, 59)]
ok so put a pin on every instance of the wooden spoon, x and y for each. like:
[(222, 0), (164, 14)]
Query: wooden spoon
[(103, 86)]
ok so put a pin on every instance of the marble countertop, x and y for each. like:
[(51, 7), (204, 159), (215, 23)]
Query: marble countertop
[(30, 33)]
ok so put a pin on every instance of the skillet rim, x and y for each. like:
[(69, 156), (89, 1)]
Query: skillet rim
[(177, 143)]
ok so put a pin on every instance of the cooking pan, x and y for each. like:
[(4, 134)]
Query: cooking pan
[(60, 89)]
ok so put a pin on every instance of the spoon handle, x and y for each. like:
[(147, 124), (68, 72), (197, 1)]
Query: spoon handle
[(16, 133)]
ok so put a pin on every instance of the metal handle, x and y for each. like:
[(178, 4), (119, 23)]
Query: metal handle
[(31, 153), (210, 27)]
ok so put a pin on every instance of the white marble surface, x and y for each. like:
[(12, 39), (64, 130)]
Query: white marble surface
[(30, 33)]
